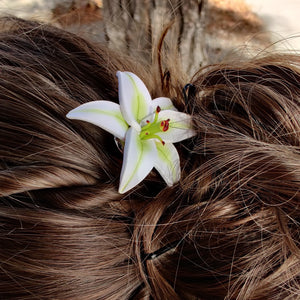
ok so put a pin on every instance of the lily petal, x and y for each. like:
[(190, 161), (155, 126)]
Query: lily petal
[(104, 114), (164, 103), (135, 100), (167, 163), (180, 126), (139, 158)]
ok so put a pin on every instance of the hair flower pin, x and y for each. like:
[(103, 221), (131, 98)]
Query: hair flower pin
[(147, 127)]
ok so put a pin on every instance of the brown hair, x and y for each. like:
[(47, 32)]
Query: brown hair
[(228, 230)]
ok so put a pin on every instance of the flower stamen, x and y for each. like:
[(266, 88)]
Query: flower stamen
[(165, 125), (150, 130)]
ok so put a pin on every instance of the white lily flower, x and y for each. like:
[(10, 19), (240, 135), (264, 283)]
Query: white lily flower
[(148, 127)]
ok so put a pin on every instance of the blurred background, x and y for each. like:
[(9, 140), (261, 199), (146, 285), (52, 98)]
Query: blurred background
[(205, 31), (281, 19)]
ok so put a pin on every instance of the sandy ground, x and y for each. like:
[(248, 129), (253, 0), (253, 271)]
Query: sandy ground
[(281, 19), (38, 9)]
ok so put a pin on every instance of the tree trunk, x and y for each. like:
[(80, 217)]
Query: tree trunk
[(205, 31)]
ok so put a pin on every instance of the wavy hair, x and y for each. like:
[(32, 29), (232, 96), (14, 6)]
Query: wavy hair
[(229, 229)]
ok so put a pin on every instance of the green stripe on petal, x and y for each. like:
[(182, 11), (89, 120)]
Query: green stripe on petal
[(135, 100), (167, 163), (138, 161), (104, 114)]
